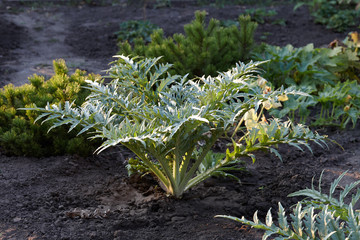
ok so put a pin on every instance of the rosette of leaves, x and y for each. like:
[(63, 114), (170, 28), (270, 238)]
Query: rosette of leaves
[(321, 216), (171, 123), (19, 135)]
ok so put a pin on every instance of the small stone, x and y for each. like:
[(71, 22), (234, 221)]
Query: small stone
[(17, 219), (132, 212), (19, 205), (118, 233), (93, 235), (178, 219), (43, 228)]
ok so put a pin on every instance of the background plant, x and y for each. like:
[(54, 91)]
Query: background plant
[(19, 135), (339, 104), (260, 15), (352, 43), (162, 3), (297, 107), (304, 66), (130, 30), (222, 3), (322, 217), (203, 50), (338, 15), (323, 74), (171, 123)]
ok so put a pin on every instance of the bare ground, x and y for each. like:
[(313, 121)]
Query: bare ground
[(68, 197)]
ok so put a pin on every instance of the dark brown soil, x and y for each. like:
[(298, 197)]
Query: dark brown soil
[(69, 197)]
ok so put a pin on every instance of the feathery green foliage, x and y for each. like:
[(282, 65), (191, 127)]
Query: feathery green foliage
[(322, 217), (203, 50), (19, 135), (171, 123)]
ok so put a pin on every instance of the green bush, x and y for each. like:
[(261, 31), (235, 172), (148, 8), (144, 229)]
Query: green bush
[(19, 135), (202, 50)]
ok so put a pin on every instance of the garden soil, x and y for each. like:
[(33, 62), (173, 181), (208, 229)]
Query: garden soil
[(71, 197)]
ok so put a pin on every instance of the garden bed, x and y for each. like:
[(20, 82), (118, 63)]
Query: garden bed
[(71, 197)]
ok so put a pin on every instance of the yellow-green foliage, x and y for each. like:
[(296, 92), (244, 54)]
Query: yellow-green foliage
[(19, 135), (203, 50)]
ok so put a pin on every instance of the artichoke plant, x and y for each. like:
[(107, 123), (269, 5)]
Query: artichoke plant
[(171, 123)]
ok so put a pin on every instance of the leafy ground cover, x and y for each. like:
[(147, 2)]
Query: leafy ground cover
[(71, 197)]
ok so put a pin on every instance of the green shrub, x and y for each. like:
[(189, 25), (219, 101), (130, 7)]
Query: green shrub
[(321, 217), (19, 135), (202, 50), (171, 123)]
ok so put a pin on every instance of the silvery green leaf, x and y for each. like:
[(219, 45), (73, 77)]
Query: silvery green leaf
[(268, 220)]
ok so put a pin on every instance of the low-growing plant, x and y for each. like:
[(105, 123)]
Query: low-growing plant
[(203, 50), (352, 42), (260, 15), (338, 15), (130, 30), (171, 123), (356, 3), (291, 66), (297, 107), (323, 73), (162, 3), (229, 22), (322, 217), (223, 3), (308, 66), (339, 104), (19, 135)]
